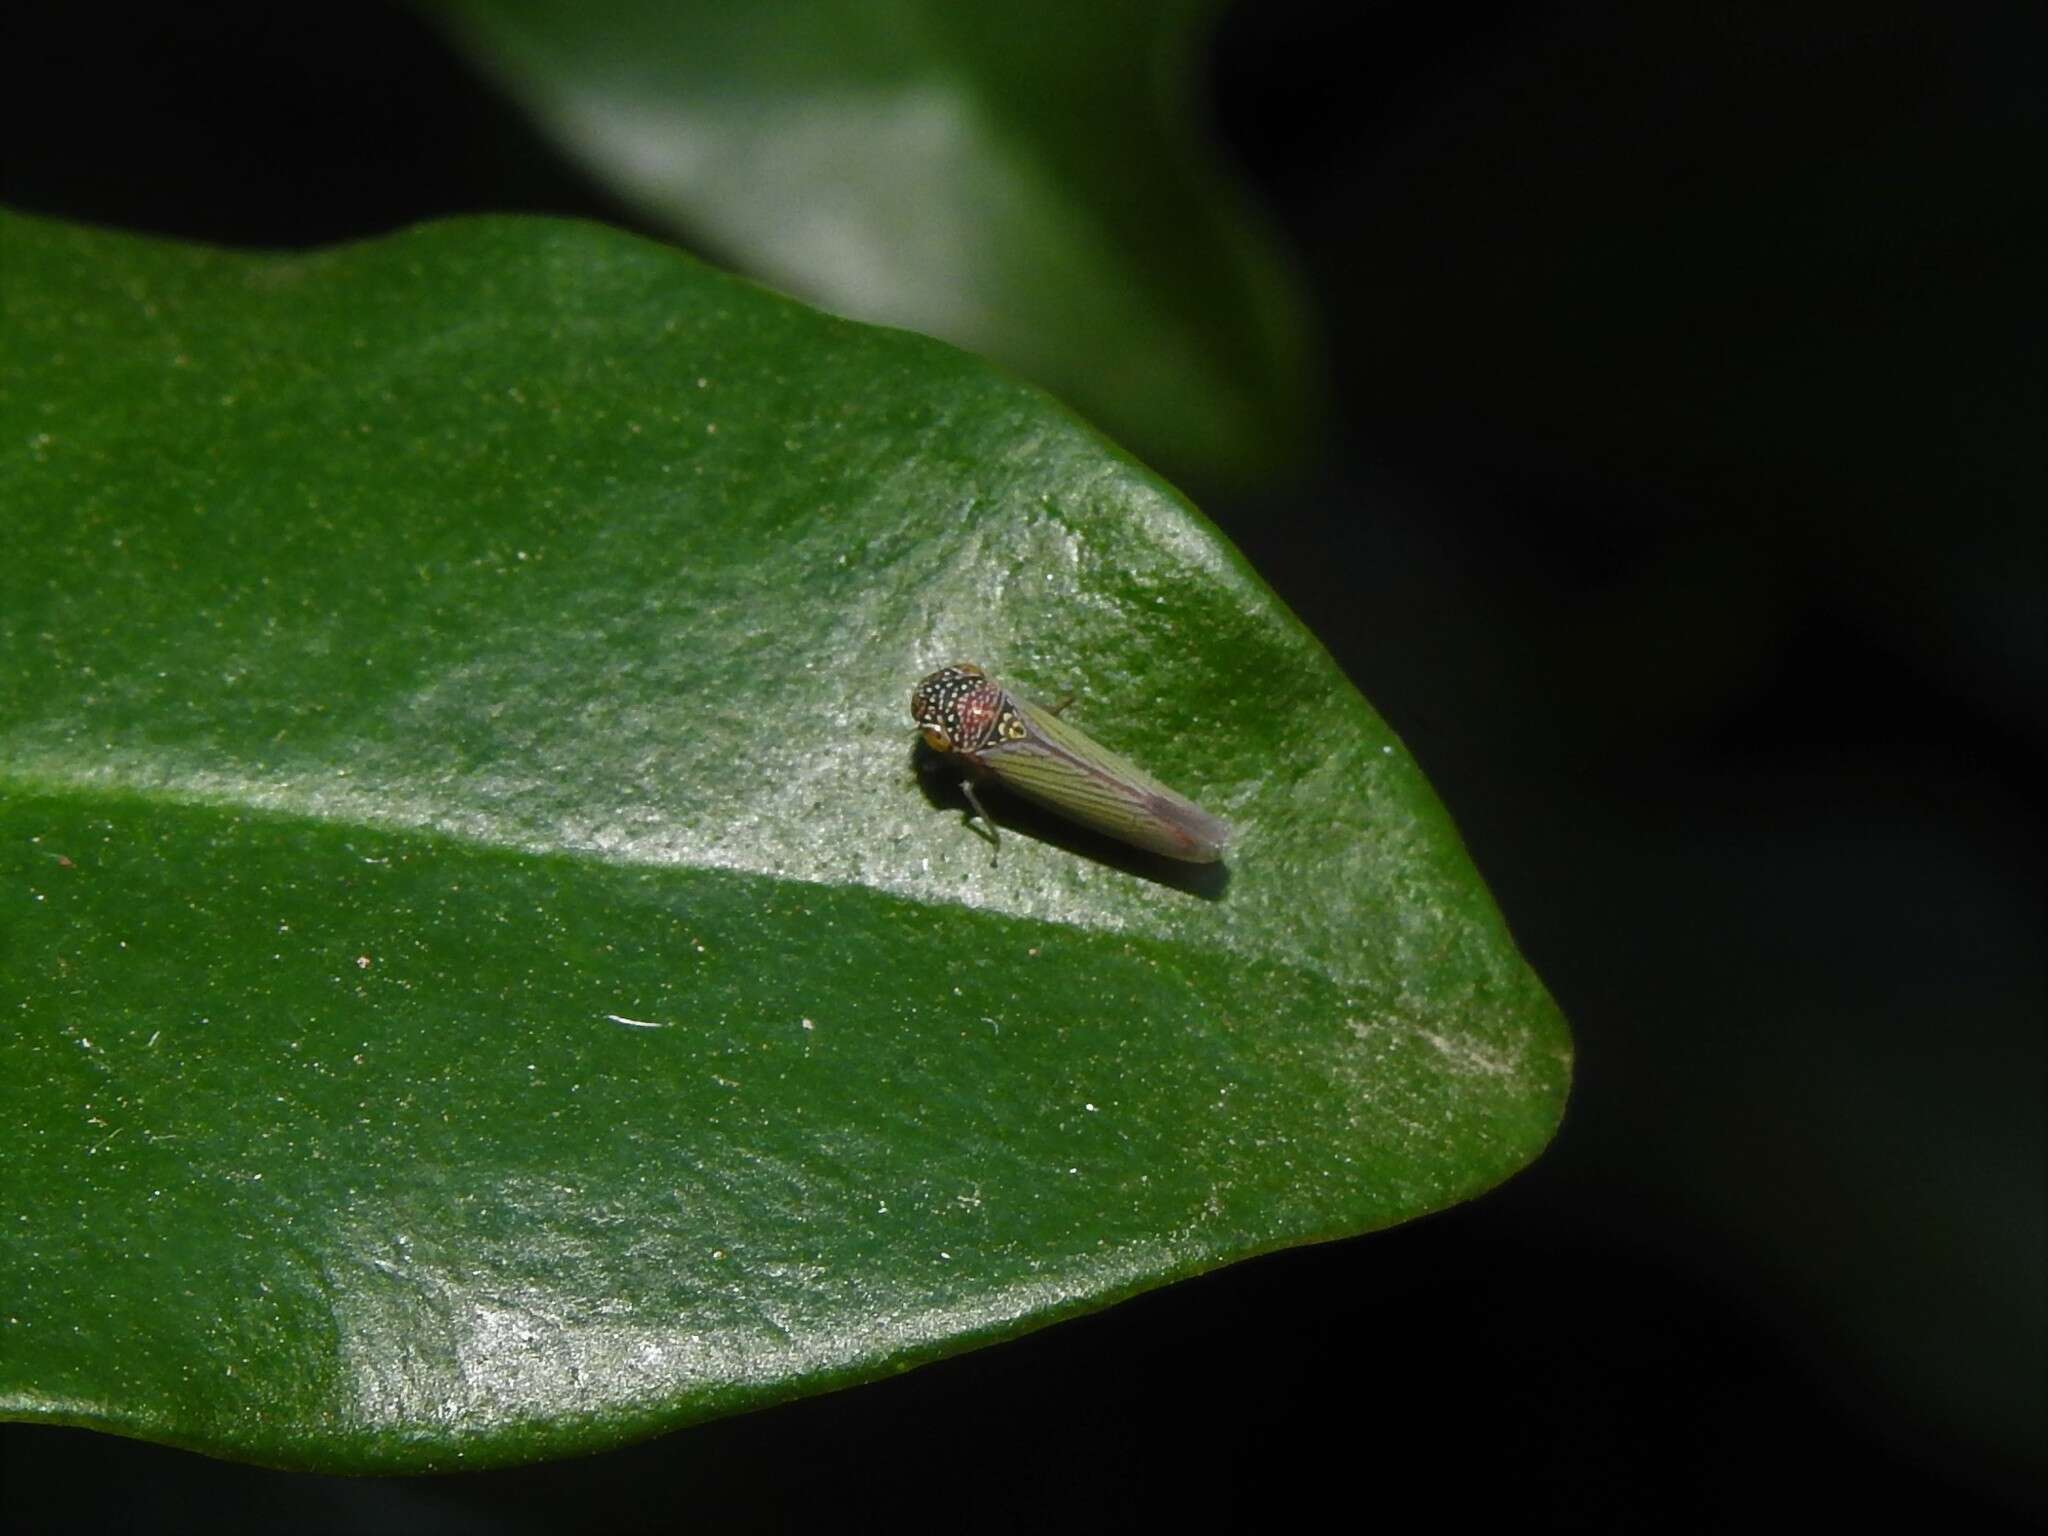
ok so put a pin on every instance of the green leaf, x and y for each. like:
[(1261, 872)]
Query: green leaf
[(483, 978), (1027, 182)]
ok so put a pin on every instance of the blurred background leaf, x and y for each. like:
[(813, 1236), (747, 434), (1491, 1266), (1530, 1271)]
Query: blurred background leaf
[(1030, 183)]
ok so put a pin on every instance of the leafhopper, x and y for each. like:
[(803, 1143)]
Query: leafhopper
[(974, 721)]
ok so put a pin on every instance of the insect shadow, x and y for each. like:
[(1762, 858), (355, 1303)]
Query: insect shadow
[(940, 782)]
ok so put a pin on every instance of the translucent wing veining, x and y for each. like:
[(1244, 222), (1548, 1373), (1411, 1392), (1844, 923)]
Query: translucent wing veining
[(1068, 771)]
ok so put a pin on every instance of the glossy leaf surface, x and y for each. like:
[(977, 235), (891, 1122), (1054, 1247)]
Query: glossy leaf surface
[(484, 975)]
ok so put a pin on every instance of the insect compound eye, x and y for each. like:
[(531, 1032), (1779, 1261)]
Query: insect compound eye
[(937, 739)]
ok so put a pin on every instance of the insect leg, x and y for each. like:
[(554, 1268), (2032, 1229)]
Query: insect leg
[(994, 837)]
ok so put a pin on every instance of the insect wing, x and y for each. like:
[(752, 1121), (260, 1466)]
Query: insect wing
[(1062, 768)]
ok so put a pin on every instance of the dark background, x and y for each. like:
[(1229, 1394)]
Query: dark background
[(1682, 508)]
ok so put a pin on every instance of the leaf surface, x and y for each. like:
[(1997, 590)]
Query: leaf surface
[(486, 976)]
